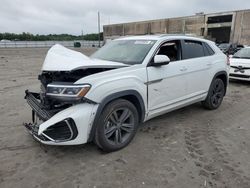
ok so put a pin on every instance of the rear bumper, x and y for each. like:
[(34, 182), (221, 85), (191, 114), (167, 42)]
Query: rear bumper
[(70, 126)]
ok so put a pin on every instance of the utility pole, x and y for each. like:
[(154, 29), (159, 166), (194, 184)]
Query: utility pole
[(99, 33), (82, 35)]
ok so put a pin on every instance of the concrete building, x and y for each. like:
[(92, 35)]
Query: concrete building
[(233, 27)]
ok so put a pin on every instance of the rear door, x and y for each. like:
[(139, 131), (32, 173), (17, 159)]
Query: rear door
[(198, 63)]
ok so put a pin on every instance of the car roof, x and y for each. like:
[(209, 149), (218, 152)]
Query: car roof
[(161, 37)]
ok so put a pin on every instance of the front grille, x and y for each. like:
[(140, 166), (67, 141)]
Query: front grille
[(32, 100), (239, 75), (62, 131)]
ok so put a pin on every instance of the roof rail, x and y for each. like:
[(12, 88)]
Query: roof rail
[(181, 34)]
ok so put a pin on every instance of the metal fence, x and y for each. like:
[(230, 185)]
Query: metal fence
[(40, 44)]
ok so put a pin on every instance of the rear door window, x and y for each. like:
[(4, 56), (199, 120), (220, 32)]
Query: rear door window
[(193, 49)]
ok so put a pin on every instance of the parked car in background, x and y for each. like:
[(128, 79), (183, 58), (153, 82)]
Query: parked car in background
[(238, 47), (226, 48), (230, 49), (240, 65), (104, 98), (4, 40)]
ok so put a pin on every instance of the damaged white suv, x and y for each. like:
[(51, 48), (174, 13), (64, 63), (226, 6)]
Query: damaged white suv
[(103, 98)]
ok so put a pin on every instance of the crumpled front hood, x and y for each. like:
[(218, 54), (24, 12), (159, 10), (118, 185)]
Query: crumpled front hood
[(240, 62), (60, 58)]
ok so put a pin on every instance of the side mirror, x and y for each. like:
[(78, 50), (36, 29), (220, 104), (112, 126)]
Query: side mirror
[(160, 60)]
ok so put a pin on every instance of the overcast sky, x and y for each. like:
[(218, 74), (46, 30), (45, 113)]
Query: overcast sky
[(73, 16)]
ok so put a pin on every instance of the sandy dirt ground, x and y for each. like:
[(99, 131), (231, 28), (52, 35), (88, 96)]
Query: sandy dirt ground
[(187, 148)]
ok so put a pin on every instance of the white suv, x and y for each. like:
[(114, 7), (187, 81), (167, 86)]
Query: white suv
[(104, 98)]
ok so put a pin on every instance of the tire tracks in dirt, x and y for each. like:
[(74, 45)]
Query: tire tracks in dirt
[(209, 155)]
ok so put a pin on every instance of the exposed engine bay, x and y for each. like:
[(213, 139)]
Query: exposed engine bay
[(67, 76), (53, 104)]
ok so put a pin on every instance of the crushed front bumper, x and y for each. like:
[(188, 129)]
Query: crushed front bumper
[(70, 126), (60, 132), (33, 130)]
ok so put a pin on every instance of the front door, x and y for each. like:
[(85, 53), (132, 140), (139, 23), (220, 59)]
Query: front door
[(166, 84)]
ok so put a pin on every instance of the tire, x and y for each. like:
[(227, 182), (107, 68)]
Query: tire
[(117, 125), (215, 95)]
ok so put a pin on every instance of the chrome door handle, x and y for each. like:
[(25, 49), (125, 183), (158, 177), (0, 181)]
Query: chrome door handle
[(183, 69)]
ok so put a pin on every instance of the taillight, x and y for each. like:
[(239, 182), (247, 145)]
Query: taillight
[(228, 60)]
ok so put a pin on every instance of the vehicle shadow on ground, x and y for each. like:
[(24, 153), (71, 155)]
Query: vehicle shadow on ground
[(239, 83), (147, 127)]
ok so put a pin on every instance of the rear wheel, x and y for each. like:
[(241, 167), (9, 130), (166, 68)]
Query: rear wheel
[(117, 125), (215, 95)]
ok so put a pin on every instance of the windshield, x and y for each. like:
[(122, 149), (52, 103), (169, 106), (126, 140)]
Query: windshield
[(243, 53), (125, 51), (224, 45)]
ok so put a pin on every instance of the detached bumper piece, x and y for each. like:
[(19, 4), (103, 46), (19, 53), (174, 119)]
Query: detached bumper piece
[(37, 107), (33, 130)]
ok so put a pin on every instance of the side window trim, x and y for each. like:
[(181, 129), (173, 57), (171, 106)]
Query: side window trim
[(182, 41), (208, 49), (163, 42)]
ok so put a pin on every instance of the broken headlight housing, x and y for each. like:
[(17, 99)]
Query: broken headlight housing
[(67, 92)]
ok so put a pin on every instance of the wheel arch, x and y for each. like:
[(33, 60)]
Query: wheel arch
[(131, 95), (224, 77)]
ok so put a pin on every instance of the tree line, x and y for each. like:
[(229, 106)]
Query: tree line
[(58, 37)]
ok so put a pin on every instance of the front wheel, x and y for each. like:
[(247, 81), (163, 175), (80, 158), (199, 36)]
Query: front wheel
[(215, 95), (117, 125)]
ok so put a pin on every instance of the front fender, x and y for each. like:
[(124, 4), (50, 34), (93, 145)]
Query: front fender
[(113, 81), (112, 97), (101, 90)]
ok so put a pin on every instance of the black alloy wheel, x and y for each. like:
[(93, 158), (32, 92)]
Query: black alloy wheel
[(215, 95), (117, 125)]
